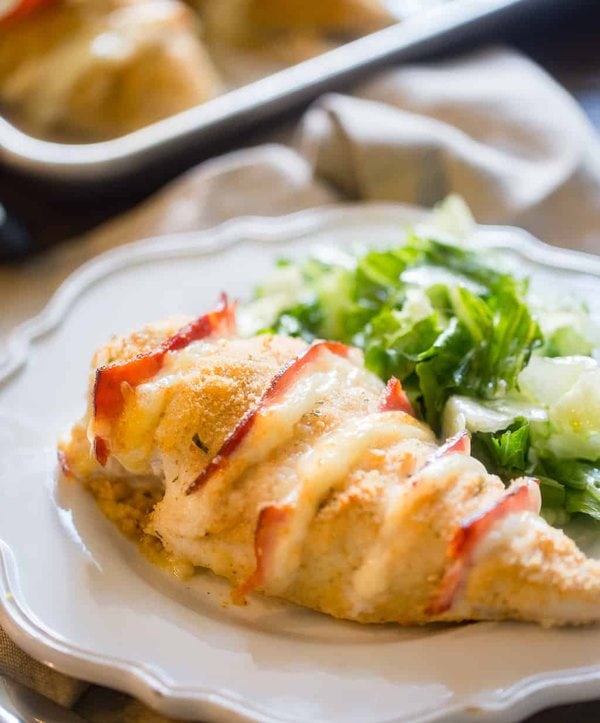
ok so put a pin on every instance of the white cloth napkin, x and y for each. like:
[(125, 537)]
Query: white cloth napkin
[(492, 127)]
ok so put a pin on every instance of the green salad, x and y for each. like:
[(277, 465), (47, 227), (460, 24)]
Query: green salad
[(473, 349)]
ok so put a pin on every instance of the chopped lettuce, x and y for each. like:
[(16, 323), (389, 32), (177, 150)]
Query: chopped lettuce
[(476, 415), (506, 452), (568, 486), (472, 349), (569, 389), (549, 429), (452, 216), (430, 313), (566, 326)]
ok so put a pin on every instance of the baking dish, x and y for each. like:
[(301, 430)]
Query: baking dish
[(203, 125)]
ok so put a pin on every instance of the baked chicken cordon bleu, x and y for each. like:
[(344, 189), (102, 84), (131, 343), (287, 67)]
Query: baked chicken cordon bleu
[(96, 69), (291, 470), (291, 29)]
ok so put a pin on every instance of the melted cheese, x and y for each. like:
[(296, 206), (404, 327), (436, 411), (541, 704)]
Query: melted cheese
[(274, 425), (322, 470), (373, 577)]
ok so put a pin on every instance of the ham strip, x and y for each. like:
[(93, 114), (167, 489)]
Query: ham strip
[(108, 387), (458, 444), (21, 8), (395, 399), (270, 525), (523, 497), (280, 384)]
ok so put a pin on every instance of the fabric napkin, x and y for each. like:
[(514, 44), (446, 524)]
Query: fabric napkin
[(490, 126)]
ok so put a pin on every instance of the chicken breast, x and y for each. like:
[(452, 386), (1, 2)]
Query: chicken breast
[(291, 470), (290, 30), (97, 69)]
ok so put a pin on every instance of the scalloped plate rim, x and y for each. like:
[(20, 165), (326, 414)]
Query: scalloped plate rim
[(151, 685)]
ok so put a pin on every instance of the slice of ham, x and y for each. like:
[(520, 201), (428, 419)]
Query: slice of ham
[(279, 385), (460, 443), (523, 497), (395, 399), (284, 525), (270, 525), (110, 380), (101, 450)]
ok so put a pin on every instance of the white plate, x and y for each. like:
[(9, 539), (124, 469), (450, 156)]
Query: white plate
[(76, 595)]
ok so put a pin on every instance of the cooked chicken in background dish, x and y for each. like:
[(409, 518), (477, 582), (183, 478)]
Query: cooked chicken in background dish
[(291, 470), (291, 29), (86, 70), (96, 69), (335, 17)]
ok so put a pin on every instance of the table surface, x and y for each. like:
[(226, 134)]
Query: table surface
[(565, 40)]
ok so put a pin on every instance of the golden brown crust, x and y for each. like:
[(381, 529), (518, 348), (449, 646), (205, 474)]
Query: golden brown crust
[(143, 341)]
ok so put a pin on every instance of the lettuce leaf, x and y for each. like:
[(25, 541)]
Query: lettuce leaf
[(567, 486), (505, 453)]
